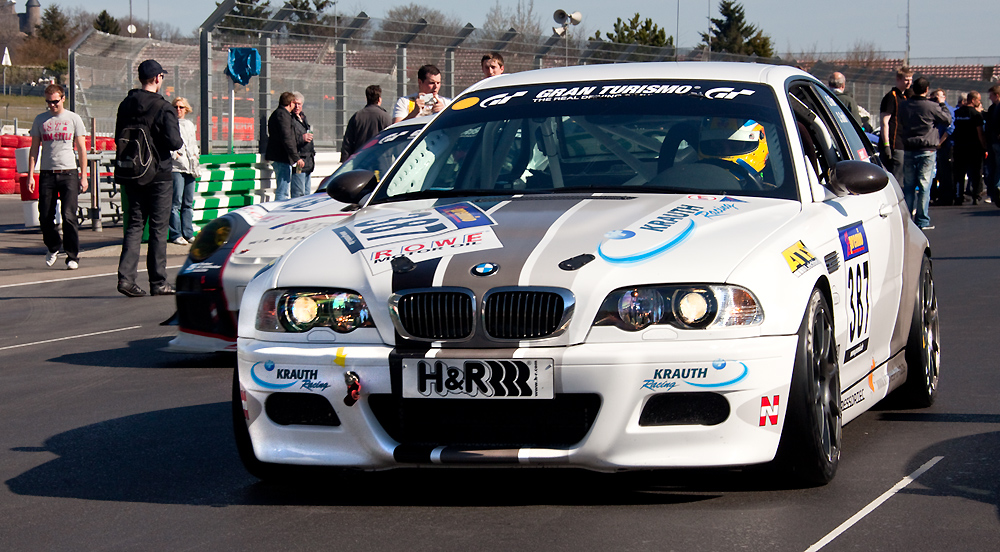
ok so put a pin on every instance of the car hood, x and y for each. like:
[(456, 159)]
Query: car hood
[(287, 223), (589, 244)]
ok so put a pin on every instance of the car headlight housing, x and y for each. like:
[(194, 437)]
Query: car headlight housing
[(298, 310), (683, 306), (213, 236)]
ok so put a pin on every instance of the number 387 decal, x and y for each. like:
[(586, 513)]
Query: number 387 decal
[(854, 243)]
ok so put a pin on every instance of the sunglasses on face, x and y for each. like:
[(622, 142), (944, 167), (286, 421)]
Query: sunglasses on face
[(53, 102)]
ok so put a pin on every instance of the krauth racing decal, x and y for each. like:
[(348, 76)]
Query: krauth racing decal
[(664, 229), (421, 235), (722, 373), (286, 378), (855, 246)]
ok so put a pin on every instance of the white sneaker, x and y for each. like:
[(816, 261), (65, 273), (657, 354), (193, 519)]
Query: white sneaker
[(179, 240), (72, 265), (50, 257)]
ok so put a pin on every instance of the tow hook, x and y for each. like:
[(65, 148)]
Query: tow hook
[(353, 388)]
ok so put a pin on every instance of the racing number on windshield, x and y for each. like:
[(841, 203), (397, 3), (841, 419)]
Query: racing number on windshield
[(860, 299), (417, 223)]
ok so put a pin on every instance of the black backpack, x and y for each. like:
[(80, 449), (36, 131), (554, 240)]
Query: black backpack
[(136, 157)]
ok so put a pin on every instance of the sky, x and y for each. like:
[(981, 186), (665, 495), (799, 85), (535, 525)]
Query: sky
[(793, 25)]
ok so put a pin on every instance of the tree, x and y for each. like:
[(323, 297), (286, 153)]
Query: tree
[(399, 20), (649, 38), (732, 34), (54, 27), (308, 17), (247, 17), (521, 18), (107, 24)]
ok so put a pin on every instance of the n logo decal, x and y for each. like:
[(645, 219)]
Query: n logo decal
[(769, 411)]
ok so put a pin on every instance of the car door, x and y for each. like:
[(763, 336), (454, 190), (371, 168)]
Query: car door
[(865, 265)]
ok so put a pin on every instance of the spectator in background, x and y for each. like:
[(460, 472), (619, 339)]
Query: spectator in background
[(918, 118), (838, 83), (304, 146), (492, 64), (890, 139), (970, 146), (365, 124), (993, 141), (186, 169), (58, 133), (426, 101), (945, 192), (282, 151)]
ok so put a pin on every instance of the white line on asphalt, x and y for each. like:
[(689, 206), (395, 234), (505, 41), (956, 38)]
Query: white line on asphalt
[(75, 278), (874, 504), (70, 337)]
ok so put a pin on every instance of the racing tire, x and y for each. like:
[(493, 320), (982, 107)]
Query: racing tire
[(923, 346), (265, 471), (809, 449)]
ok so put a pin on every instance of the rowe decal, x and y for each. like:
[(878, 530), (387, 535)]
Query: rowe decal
[(420, 235), (721, 374), (769, 411), (305, 378)]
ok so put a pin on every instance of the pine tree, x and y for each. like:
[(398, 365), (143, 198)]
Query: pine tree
[(54, 26), (107, 24), (732, 34)]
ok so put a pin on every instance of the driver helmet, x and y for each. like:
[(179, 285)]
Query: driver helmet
[(741, 142)]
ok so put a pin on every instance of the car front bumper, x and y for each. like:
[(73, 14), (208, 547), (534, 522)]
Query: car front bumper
[(616, 407)]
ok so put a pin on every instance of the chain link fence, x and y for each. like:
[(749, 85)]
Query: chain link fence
[(330, 59)]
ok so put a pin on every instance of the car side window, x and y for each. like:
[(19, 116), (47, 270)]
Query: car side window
[(860, 148), (819, 140)]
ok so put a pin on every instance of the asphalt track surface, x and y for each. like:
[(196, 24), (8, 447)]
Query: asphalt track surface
[(107, 443)]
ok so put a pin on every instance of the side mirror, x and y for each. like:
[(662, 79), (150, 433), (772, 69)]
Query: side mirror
[(858, 177), (351, 186)]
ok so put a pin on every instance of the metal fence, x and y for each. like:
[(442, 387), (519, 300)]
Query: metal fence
[(331, 59)]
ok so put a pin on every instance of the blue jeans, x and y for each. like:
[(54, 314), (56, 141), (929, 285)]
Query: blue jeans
[(918, 167), (181, 214), (282, 179), (300, 184)]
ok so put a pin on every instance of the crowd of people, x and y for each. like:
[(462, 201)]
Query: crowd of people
[(938, 152)]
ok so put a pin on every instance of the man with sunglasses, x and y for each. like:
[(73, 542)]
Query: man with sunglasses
[(62, 175)]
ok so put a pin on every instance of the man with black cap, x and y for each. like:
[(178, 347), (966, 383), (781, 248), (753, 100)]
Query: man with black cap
[(149, 202)]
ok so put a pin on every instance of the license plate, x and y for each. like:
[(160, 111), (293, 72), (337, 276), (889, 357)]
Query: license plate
[(447, 378)]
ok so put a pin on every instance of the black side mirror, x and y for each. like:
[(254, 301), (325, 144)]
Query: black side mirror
[(858, 177), (351, 186)]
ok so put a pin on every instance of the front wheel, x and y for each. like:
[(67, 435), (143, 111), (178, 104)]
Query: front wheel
[(923, 346), (810, 440)]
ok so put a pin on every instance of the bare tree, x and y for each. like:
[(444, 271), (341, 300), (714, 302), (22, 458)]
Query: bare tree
[(400, 20), (864, 53)]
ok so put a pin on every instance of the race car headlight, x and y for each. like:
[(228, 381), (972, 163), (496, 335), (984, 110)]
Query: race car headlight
[(213, 236), (289, 310), (688, 307)]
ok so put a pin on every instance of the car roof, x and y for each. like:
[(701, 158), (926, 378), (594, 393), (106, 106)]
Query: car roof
[(774, 75)]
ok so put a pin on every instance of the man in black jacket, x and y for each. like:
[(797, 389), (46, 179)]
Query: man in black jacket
[(150, 202), (919, 117), (282, 151), (365, 124)]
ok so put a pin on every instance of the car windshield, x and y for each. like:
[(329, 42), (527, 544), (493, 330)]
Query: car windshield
[(649, 136), (378, 154)]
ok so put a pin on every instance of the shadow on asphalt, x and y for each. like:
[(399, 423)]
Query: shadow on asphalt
[(188, 456), (147, 353)]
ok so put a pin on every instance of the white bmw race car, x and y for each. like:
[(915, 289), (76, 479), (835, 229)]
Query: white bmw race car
[(612, 267)]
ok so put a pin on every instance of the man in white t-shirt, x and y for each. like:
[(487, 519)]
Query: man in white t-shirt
[(426, 101), (62, 176)]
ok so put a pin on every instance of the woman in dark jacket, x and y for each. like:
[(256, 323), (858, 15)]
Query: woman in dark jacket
[(301, 184)]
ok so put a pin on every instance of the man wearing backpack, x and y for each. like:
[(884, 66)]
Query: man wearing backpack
[(146, 126)]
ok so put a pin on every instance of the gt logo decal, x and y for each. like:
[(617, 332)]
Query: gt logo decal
[(799, 258), (769, 411)]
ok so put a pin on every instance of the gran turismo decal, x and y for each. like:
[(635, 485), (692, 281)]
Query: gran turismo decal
[(611, 91), (305, 378), (725, 93), (721, 374), (799, 258), (200, 267), (769, 410)]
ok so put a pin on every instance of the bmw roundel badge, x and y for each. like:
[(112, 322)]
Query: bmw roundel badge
[(485, 269)]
